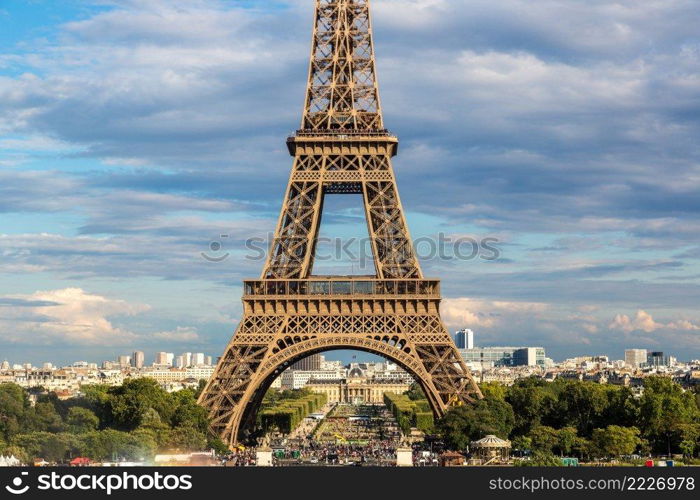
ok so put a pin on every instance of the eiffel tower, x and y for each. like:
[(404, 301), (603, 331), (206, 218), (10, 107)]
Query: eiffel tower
[(342, 147)]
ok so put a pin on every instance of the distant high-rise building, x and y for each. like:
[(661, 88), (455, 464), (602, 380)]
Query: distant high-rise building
[(504, 356), (330, 365), (464, 339), (208, 361), (656, 359), (528, 356), (47, 366), (634, 358), (187, 356), (124, 361), (164, 358), (296, 379), (137, 359), (198, 359), (180, 361), (5, 365), (312, 362)]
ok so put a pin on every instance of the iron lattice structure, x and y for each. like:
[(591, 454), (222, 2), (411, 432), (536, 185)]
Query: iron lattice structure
[(289, 314)]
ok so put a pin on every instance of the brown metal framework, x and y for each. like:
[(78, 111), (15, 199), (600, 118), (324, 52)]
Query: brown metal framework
[(289, 314)]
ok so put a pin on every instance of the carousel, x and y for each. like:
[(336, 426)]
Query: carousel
[(491, 449)]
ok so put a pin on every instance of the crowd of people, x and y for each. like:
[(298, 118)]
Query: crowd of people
[(425, 458), (372, 452), (357, 424), (244, 457), (346, 435)]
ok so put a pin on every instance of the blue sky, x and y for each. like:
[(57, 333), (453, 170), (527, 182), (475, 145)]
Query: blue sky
[(133, 133)]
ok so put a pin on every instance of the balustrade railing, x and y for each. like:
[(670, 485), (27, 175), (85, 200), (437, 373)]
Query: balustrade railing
[(342, 286)]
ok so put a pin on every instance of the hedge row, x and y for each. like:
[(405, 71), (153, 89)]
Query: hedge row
[(410, 413), (288, 413)]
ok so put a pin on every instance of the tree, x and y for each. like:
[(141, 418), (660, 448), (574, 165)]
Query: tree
[(200, 388), (13, 404), (582, 448), (544, 438), (687, 448), (688, 436), (97, 398), (52, 447), (495, 416), (81, 420), (622, 407), (107, 444), (455, 427), (155, 427), (129, 402), (188, 412), (582, 405), (615, 441), (566, 440), (215, 443), (187, 439), (415, 392), (146, 443), (493, 390), (463, 424), (528, 398), (128, 422), (43, 417), (522, 443), (665, 410)]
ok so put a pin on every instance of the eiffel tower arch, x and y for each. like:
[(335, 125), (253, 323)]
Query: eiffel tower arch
[(342, 147)]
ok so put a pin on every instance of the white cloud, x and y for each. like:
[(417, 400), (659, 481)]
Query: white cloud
[(73, 316), (180, 334), (35, 143), (645, 322), (590, 328), (159, 246), (66, 316), (465, 312)]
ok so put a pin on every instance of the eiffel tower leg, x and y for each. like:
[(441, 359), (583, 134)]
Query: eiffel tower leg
[(236, 370)]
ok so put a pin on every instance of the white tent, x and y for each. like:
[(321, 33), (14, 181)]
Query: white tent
[(10, 461)]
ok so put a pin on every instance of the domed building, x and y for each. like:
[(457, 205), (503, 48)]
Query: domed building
[(356, 372)]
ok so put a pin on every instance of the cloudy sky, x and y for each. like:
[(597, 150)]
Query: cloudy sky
[(133, 133)]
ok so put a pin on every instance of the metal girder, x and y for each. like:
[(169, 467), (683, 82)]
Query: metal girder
[(342, 91), (314, 176), (263, 346)]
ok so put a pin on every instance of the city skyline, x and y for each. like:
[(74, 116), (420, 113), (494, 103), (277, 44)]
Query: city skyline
[(344, 356), (122, 159)]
